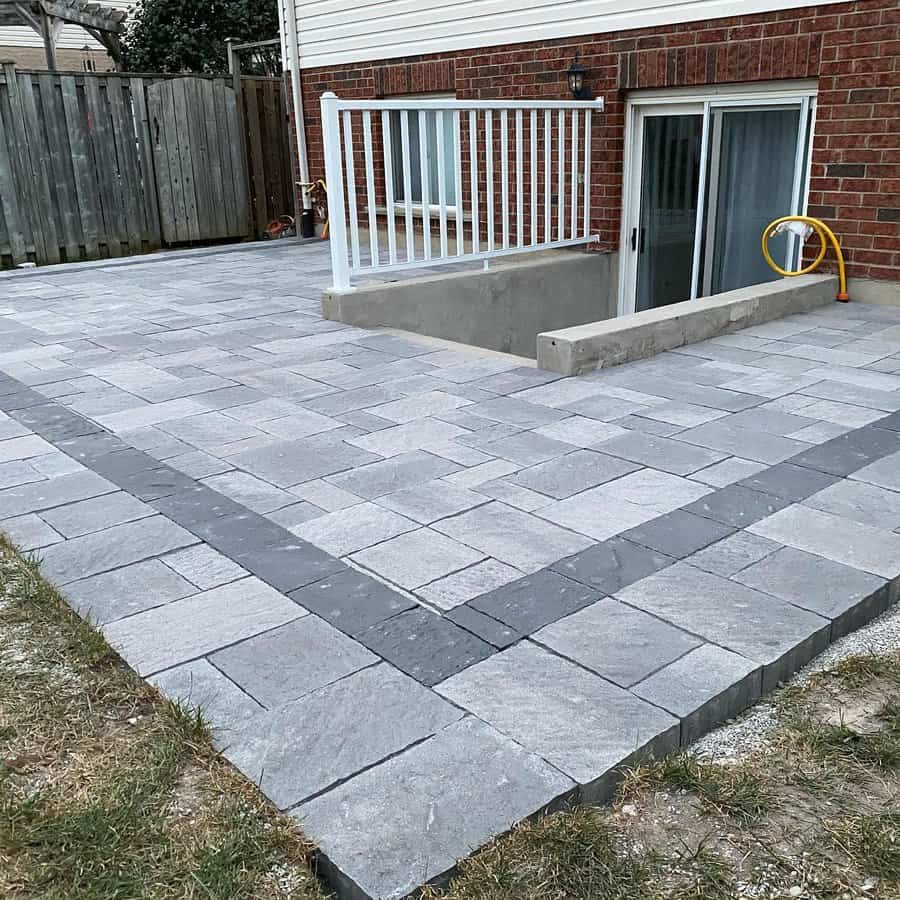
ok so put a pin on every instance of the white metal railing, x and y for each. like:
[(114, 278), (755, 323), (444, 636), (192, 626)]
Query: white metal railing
[(463, 150)]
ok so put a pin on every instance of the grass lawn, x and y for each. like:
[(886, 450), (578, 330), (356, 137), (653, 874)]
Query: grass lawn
[(107, 792)]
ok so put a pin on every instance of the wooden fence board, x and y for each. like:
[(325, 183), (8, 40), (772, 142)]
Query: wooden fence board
[(148, 172), (95, 165), (12, 236), (82, 167), (60, 163)]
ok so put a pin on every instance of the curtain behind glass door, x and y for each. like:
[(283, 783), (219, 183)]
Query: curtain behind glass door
[(751, 183), (664, 239)]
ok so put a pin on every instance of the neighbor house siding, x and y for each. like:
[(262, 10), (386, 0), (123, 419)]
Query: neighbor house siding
[(334, 31), (852, 49)]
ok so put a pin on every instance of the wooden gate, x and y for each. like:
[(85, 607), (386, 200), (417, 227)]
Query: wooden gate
[(268, 143), (201, 173)]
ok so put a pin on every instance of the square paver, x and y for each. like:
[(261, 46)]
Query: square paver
[(352, 601), (616, 641), (527, 448), (458, 587), (97, 513), (29, 532), (516, 412), (771, 632), (884, 472), (387, 476), (733, 553), (609, 509), (531, 602), (677, 534), (847, 596), (736, 506), (519, 539), (497, 634), (187, 629), (573, 473), (112, 548), (288, 463), (425, 645), (417, 557), (788, 481), (660, 452), (838, 539), (612, 565), (291, 661), (203, 566), (41, 495), (348, 530), (370, 829), (579, 722), (703, 688), (419, 435), (123, 592), (745, 442), (292, 756), (860, 501), (250, 491), (431, 500), (852, 451), (201, 686)]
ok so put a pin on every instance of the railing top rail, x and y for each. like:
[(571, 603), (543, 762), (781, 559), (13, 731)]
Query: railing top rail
[(596, 105)]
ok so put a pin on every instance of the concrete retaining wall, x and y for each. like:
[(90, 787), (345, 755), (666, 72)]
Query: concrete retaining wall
[(502, 309), (572, 351)]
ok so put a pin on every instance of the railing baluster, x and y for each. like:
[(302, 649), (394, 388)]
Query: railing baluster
[(370, 187), (573, 225), (473, 177), (534, 189), (442, 178), (548, 170), (504, 175), (424, 178), (561, 173), (407, 187), (489, 175), (389, 185), (587, 173), (351, 188), (457, 183), (520, 224)]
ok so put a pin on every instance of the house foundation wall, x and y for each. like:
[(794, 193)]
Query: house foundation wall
[(504, 308), (851, 49)]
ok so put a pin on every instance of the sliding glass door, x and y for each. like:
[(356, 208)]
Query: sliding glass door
[(704, 178)]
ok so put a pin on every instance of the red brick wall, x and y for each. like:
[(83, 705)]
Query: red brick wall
[(853, 48)]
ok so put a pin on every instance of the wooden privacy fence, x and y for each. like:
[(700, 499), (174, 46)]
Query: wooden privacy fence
[(95, 166)]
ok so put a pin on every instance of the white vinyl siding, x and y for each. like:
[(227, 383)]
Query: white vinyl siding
[(334, 31)]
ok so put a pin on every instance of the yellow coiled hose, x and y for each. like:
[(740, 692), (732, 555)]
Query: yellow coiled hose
[(825, 235)]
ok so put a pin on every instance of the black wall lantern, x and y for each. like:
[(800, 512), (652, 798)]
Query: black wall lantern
[(576, 75)]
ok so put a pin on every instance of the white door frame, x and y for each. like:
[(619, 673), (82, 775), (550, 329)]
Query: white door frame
[(702, 101)]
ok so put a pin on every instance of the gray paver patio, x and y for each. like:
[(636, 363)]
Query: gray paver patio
[(420, 584)]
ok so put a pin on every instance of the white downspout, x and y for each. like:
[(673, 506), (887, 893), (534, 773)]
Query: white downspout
[(292, 47)]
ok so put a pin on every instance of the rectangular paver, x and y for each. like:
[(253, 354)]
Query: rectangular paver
[(579, 722), (187, 629), (370, 829), (771, 632)]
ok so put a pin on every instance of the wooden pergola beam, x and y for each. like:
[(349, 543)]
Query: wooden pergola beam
[(46, 17)]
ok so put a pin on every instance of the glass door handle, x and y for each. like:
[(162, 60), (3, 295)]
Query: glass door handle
[(633, 239)]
